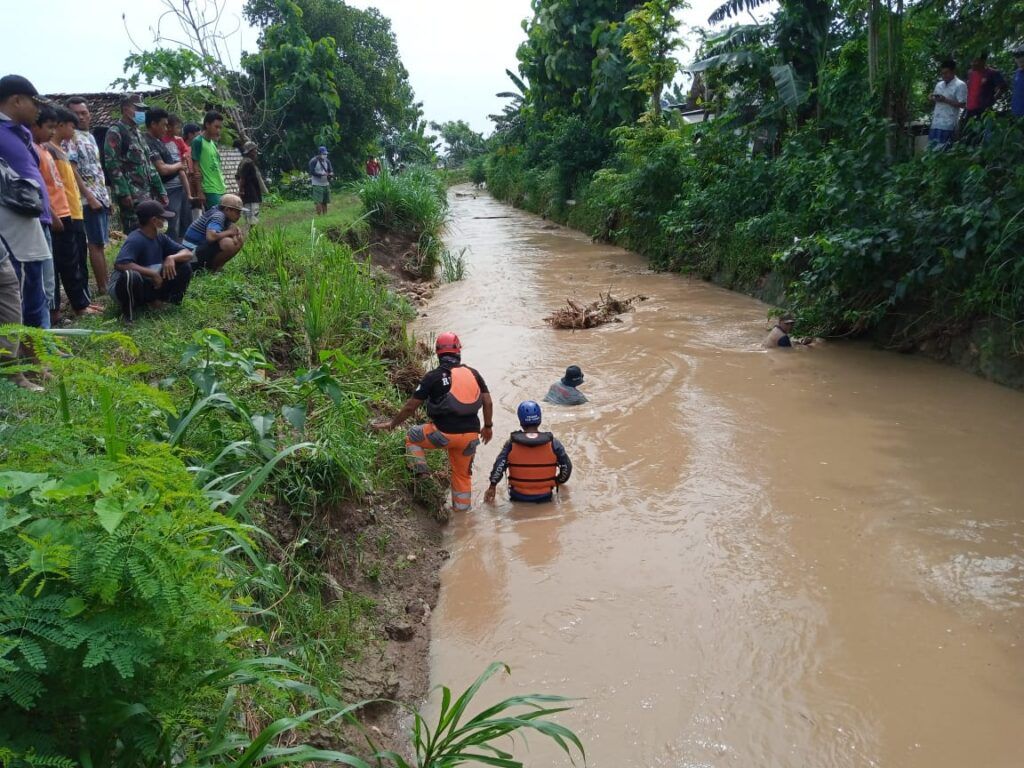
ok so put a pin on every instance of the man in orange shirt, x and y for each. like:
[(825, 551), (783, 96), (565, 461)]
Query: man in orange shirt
[(67, 233), (42, 132), (71, 264)]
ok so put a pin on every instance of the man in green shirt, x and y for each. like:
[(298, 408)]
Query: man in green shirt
[(208, 180)]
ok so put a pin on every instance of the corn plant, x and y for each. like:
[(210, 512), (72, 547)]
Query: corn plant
[(453, 742), (453, 265)]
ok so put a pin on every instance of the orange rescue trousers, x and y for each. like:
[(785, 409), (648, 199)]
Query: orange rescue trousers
[(461, 447)]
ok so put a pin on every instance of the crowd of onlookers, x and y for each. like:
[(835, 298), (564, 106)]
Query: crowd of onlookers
[(958, 104), (59, 189)]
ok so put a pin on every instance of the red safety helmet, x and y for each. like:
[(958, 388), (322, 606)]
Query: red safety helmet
[(448, 344)]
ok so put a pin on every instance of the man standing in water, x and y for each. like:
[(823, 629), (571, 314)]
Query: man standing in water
[(454, 394), (536, 462), (779, 335), (564, 391)]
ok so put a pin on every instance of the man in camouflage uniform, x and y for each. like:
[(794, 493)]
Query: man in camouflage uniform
[(129, 163)]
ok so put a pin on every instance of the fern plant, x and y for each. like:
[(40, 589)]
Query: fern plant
[(110, 597)]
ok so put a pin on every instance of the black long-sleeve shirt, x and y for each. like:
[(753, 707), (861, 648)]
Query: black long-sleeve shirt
[(564, 462)]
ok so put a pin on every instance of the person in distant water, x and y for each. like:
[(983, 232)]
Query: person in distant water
[(984, 87), (215, 237), (129, 162), (151, 269), (779, 336), (372, 168), (169, 164), (454, 394), (208, 180), (251, 186), (949, 97), (320, 174), (536, 462), (1017, 98), (84, 154), (564, 391)]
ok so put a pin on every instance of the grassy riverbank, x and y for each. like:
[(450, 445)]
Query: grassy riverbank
[(195, 519)]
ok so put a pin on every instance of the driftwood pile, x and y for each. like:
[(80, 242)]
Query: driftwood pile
[(604, 310)]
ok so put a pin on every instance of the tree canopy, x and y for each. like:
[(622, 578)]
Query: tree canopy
[(328, 73)]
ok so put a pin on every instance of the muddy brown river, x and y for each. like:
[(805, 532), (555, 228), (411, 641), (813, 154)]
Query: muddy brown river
[(788, 558)]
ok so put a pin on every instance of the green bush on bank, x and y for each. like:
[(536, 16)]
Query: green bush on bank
[(413, 203), (143, 607), (906, 249)]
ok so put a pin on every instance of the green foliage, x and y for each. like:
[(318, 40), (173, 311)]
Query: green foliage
[(184, 72), (111, 594), (134, 576), (414, 204), (478, 171), (453, 265), (461, 141), (327, 73), (454, 742), (649, 42), (572, 61)]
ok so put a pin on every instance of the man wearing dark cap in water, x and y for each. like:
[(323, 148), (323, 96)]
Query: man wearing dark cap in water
[(564, 391), (779, 336)]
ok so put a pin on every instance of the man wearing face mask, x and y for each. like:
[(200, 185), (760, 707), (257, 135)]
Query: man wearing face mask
[(131, 172), (151, 270)]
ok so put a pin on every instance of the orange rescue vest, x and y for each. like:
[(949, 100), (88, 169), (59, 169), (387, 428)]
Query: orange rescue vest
[(532, 464), (464, 398)]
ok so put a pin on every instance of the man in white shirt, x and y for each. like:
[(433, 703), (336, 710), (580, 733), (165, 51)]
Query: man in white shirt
[(949, 97)]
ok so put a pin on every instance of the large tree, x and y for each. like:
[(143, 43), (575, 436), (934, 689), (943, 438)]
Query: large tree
[(461, 141), (573, 60), (328, 73)]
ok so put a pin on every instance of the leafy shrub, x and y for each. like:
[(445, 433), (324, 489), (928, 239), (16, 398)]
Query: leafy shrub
[(294, 185), (414, 203), (111, 596), (867, 245)]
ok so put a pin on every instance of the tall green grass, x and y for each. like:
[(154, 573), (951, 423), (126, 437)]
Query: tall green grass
[(413, 203), (453, 265)]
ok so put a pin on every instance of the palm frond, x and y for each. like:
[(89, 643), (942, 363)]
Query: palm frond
[(734, 8), (733, 58)]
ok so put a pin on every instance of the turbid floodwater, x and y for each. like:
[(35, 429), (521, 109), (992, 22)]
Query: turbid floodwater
[(794, 559)]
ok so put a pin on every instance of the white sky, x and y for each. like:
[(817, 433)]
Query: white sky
[(456, 51)]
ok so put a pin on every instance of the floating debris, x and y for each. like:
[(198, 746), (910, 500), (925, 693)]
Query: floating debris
[(604, 310)]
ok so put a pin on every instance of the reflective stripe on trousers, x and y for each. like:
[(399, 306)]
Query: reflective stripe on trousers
[(461, 448)]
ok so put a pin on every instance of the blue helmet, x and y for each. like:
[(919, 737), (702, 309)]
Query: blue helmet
[(528, 413)]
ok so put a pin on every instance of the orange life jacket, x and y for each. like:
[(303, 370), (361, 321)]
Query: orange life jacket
[(463, 399), (532, 464)]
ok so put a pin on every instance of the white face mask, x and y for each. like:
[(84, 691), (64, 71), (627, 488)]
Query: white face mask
[(161, 228)]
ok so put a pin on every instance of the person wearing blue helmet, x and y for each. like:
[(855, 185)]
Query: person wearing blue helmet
[(565, 391), (536, 462)]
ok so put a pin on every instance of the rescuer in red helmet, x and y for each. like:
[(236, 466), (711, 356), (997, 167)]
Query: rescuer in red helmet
[(454, 394)]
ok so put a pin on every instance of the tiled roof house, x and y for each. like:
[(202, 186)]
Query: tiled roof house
[(106, 110)]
